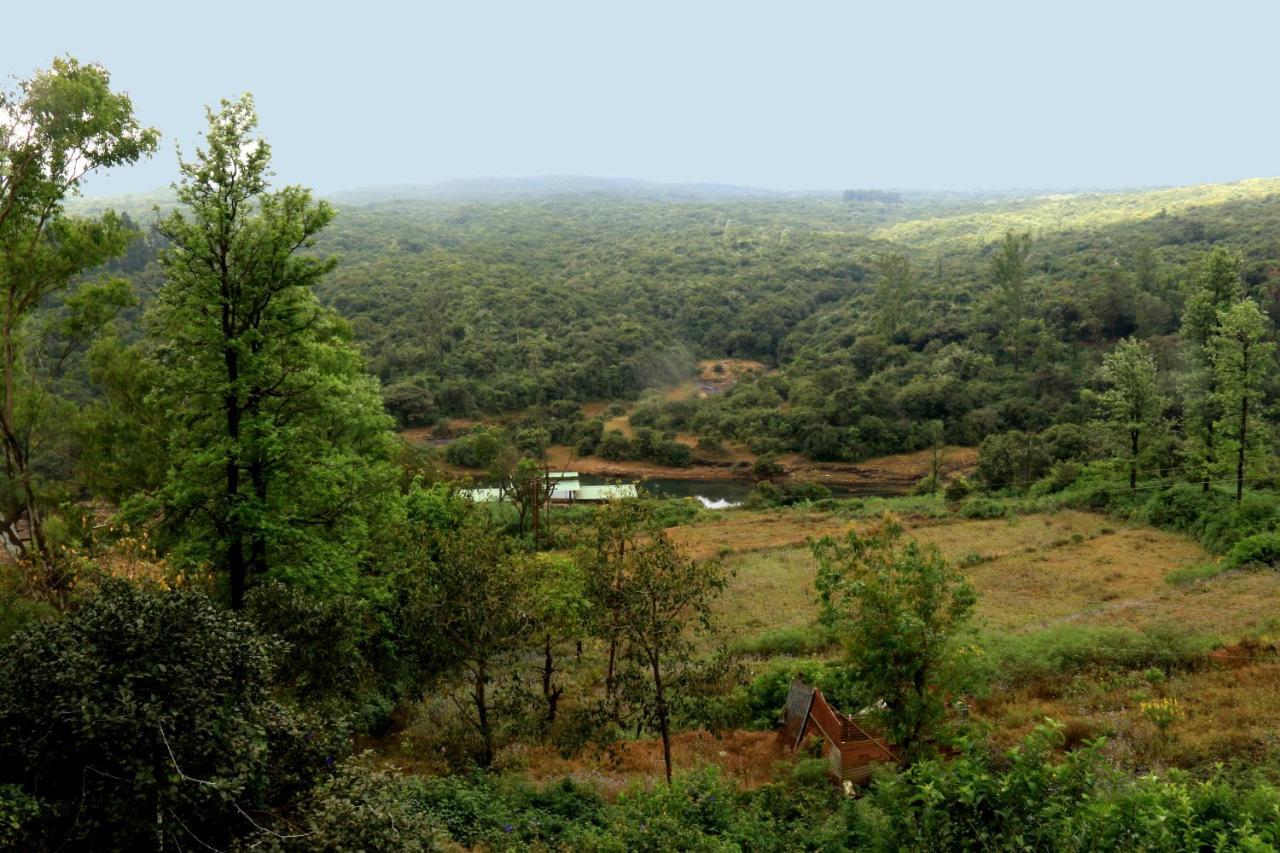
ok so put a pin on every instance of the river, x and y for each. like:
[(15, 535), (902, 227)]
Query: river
[(722, 494)]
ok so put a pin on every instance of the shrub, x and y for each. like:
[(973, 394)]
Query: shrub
[(794, 642), (475, 450), (1064, 650), (614, 446), (360, 808), (19, 815), (1260, 549), (983, 508), (672, 453), (153, 691), (1195, 572), (768, 494), (1030, 800), (1012, 459), (767, 467), (320, 654), (926, 485), (760, 702), (957, 489)]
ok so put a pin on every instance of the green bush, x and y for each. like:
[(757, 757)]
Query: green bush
[(983, 508), (759, 703), (19, 817), (767, 467), (614, 446), (1195, 572), (321, 639), (1067, 649), (926, 485), (475, 450), (1260, 549), (794, 642), (1029, 799), (957, 489), (153, 691), (359, 808)]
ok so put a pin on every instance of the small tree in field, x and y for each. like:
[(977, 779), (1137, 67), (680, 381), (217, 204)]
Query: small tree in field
[(561, 612), (659, 597), (900, 608), (468, 611), (619, 526)]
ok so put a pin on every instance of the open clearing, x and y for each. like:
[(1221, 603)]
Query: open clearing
[(1031, 572)]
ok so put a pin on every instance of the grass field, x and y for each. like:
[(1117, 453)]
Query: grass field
[(1067, 580), (1039, 574), (1031, 572)]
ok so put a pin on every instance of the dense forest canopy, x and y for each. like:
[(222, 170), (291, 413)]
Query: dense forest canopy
[(878, 316)]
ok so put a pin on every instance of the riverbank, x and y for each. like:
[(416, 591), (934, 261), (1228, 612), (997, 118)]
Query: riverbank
[(901, 470)]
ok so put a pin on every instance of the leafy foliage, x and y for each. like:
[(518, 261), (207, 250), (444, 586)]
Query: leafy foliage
[(139, 713), (900, 609)]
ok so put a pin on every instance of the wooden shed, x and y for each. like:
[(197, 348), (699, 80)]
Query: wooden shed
[(852, 748)]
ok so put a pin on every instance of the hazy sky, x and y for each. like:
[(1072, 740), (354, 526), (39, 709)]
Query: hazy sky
[(793, 95)]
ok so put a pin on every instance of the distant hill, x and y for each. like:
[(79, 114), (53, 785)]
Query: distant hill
[(511, 189)]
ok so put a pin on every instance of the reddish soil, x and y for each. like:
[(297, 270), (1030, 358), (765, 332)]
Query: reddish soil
[(749, 757), (901, 469)]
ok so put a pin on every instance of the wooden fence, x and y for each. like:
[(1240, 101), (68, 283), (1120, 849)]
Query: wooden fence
[(851, 748)]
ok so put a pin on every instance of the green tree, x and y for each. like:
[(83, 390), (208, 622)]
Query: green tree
[(1215, 286), (561, 611), (618, 527), (280, 446), (1243, 358), (139, 718), (1009, 274), (1132, 401), (900, 609), (468, 610), (61, 125), (660, 599), (893, 293)]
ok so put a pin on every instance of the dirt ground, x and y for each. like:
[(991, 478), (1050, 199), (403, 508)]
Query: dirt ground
[(749, 757)]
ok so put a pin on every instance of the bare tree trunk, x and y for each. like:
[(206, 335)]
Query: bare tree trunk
[(1244, 427), (235, 533), (609, 673), (1133, 460), (660, 705), (549, 692), (482, 717)]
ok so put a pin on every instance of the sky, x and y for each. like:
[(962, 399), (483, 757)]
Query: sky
[(786, 95)]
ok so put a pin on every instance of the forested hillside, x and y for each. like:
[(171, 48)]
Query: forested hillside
[(242, 608), (987, 313)]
